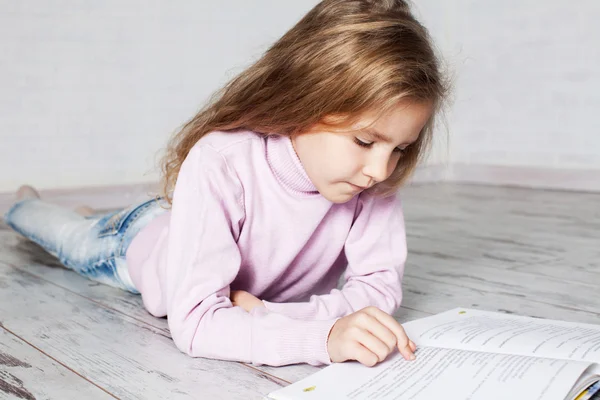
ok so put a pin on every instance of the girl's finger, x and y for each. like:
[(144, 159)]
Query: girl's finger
[(377, 329), (363, 355), (412, 345), (402, 340), (371, 343)]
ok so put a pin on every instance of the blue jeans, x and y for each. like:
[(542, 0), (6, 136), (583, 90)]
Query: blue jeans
[(94, 246)]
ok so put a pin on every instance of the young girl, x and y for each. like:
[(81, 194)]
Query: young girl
[(282, 183)]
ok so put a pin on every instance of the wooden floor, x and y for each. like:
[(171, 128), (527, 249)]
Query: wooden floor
[(512, 250)]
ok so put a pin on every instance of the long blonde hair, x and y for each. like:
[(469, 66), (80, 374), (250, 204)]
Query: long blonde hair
[(344, 57)]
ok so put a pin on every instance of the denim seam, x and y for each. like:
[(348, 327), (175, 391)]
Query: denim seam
[(123, 223), (133, 218)]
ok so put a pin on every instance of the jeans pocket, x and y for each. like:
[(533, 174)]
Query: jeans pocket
[(112, 224)]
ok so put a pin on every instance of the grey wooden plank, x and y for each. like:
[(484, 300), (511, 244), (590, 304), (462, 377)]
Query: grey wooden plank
[(28, 374), (517, 250), (21, 253), (434, 297), (574, 269), (576, 212), (111, 350), (405, 314), (509, 226), (521, 282)]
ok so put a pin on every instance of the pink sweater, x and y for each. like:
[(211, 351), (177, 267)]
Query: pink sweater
[(245, 216)]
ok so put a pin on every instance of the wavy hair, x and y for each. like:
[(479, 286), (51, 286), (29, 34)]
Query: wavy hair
[(344, 57)]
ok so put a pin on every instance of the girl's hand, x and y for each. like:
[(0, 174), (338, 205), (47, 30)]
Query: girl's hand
[(245, 300), (368, 336)]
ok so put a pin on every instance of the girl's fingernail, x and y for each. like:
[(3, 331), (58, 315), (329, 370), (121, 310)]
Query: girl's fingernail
[(412, 357)]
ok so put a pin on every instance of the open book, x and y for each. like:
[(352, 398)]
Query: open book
[(471, 354)]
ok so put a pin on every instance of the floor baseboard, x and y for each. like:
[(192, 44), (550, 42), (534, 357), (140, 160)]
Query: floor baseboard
[(107, 197), (98, 197), (522, 176)]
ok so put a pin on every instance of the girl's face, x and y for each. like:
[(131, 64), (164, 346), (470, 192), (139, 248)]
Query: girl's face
[(342, 164)]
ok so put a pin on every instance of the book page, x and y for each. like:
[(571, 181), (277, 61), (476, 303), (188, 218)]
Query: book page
[(441, 373), (508, 334)]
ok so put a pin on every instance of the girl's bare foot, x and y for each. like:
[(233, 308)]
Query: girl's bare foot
[(85, 211), (27, 192)]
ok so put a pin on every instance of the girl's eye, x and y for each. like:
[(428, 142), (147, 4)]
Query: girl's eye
[(362, 143)]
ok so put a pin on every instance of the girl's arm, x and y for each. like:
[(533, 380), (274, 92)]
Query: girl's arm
[(202, 261), (376, 253)]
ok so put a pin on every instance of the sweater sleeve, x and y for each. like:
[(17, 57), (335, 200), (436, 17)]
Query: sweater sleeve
[(376, 254), (202, 261)]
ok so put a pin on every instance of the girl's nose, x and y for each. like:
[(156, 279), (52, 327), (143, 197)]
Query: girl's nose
[(377, 168)]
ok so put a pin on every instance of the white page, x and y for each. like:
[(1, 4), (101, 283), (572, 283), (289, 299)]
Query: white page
[(441, 373), (508, 334)]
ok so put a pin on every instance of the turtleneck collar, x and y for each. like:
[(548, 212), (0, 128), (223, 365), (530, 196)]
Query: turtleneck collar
[(286, 165)]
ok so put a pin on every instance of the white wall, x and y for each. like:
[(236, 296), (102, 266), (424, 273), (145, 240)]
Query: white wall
[(528, 81), (90, 91)]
